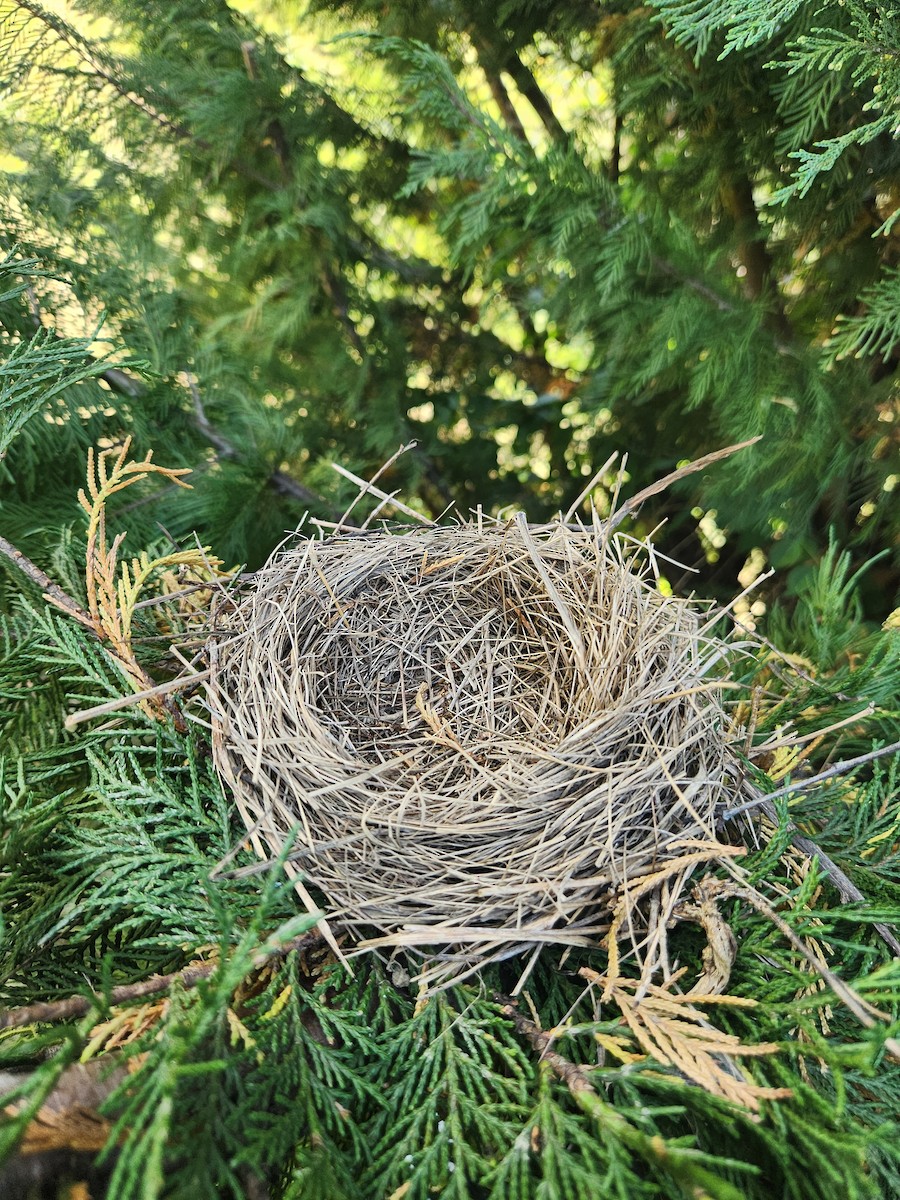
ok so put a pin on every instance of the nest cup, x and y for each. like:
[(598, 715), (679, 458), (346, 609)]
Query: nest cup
[(473, 736)]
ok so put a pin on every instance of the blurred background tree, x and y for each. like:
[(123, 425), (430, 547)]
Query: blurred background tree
[(523, 234)]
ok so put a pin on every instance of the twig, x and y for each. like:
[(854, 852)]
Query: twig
[(280, 481), (367, 486), (840, 768), (792, 739), (867, 1015), (79, 1006), (51, 591), (676, 1161), (845, 886)]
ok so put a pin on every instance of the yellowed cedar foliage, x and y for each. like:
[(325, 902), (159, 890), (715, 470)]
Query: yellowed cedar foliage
[(672, 1028)]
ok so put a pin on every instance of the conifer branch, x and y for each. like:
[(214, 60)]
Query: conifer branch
[(845, 886), (189, 977), (332, 283), (675, 1161)]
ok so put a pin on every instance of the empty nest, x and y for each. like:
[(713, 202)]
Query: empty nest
[(474, 737)]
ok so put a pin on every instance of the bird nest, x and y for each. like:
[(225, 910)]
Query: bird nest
[(473, 739)]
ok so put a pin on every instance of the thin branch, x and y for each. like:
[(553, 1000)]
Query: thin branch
[(51, 591), (487, 62), (531, 90), (697, 285), (840, 768), (412, 269), (212, 435), (660, 486), (615, 158), (335, 290), (672, 1160), (280, 481), (189, 977), (367, 487), (122, 383)]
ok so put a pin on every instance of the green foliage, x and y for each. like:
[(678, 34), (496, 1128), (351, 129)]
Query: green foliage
[(121, 858), (455, 1080), (525, 239), (527, 235)]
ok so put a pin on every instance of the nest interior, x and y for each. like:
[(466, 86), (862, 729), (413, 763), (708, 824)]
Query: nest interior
[(474, 735)]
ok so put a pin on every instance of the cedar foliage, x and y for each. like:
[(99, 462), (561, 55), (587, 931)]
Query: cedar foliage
[(525, 235), (254, 266)]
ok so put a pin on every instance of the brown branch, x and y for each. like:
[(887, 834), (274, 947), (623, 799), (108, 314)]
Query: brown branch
[(753, 251), (531, 90), (189, 977), (846, 888), (487, 60), (665, 267), (51, 591), (122, 383), (280, 481), (335, 290), (212, 435), (275, 129), (572, 1075), (676, 1161), (411, 269), (615, 158), (660, 486)]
